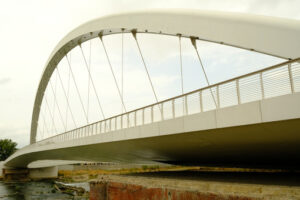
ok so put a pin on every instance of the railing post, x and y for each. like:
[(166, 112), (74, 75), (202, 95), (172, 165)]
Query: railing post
[(109, 128), (262, 86), (127, 120), (218, 96), (100, 127), (237, 83), (186, 105), (135, 118), (143, 116), (173, 108), (162, 111), (121, 127), (291, 78), (152, 114), (201, 101)]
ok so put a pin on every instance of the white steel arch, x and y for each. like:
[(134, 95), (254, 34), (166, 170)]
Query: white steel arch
[(268, 35)]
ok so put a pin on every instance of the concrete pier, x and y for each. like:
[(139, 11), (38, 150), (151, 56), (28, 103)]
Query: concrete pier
[(43, 173), (24, 174)]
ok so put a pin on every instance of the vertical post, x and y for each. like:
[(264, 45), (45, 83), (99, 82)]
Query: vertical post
[(127, 120), (143, 116), (152, 118), (237, 83), (162, 111), (135, 118), (186, 105), (173, 108), (116, 121), (121, 121), (109, 128), (100, 127), (262, 86), (218, 97), (201, 101), (291, 78)]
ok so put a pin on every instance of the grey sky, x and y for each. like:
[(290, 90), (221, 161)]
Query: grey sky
[(30, 29)]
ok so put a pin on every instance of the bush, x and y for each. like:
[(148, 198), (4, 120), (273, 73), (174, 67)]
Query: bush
[(7, 148)]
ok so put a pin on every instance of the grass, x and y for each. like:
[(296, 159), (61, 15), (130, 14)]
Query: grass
[(70, 175)]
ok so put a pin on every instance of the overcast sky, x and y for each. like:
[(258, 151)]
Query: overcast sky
[(29, 30)]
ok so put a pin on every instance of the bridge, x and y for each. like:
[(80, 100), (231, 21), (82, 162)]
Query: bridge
[(249, 120)]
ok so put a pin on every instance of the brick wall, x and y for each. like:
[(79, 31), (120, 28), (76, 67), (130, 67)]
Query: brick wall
[(123, 191)]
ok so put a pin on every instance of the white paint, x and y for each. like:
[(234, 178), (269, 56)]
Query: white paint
[(274, 109), (269, 35)]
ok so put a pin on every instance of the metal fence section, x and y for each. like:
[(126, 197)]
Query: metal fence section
[(273, 81)]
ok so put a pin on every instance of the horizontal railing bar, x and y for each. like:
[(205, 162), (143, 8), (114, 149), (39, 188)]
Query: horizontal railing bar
[(192, 93)]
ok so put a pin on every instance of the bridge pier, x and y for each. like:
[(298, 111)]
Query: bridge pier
[(24, 174), (43, 173)]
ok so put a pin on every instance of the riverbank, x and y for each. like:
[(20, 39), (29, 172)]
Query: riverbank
[(193, 185), (97, 182), (39, 190)]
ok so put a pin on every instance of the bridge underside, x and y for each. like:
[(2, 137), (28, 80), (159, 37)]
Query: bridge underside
[(263, 145)]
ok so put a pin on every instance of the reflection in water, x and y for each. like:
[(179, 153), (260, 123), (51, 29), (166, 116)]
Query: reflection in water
[(32, 191)]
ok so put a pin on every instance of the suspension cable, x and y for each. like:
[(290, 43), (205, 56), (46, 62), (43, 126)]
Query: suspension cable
[(67, 98), (59, 112), (112, 71), (53, 124), (92, 82), (54, 96), (89, 80), (137, 43), (193, 40), (77, 89), (122, 68), (44, 122), (181, 71), (181, 74)]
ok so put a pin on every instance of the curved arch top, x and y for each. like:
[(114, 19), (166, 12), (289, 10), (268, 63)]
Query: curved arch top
[(269, 35)]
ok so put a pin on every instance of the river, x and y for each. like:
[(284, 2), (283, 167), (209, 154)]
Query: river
[(43, 190)]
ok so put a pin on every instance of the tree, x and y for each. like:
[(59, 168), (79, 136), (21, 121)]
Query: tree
[(7, 148)]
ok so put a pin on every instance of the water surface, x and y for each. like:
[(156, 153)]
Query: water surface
[(43, 190)]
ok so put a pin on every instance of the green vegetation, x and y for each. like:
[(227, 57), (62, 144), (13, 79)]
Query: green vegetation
[(7, 148)]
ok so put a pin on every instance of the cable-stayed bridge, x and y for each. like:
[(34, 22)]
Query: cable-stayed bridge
[(249, 120)]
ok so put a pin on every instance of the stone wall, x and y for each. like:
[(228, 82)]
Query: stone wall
[(124, 191), (143, 187)]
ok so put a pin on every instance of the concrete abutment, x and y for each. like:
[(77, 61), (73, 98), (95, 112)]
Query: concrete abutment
[(24, 174)]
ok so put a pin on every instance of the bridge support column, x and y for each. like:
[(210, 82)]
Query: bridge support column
[(43, 173)]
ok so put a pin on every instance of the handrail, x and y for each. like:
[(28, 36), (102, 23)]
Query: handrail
[(182, 95)]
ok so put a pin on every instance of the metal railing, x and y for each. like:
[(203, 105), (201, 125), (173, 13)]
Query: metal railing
[(270, 82)]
